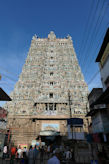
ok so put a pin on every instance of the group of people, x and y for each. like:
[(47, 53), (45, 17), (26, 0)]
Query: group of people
[(24, 156), (61, 154), (52, 153)]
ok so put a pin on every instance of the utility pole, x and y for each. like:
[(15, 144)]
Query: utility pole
[(69, 99), (71, 126)]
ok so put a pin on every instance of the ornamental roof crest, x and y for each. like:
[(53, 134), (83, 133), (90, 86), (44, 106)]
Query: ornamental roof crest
[(51, 35)]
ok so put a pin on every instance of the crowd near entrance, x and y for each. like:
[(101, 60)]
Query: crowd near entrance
[(46, 150)]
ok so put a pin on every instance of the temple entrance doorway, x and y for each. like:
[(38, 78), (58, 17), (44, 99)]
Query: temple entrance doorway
[(51, 140)]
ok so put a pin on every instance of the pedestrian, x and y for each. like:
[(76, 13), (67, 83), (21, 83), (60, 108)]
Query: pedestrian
[(72, 152), (5, 150), (31, 156), (68, 155), (24, 160), (35, 152), (19, 152), (13, 153), (25, 149), (42, 153), (48, 150), (56, 158)]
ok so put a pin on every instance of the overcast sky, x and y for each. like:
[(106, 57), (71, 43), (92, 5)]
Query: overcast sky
[(85, 20)]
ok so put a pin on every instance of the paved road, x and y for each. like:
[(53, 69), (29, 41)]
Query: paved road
[(39, 160)]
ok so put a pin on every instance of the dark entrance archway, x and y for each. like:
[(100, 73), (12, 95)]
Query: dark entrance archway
[(51, 140)]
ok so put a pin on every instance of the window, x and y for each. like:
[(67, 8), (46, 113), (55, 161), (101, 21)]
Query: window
[(50, 106), (54, 106), (51, 95), (46, 106), (51, 83), (51, 65), (51, 50), (23, 111), (51, 57), (51, 73)]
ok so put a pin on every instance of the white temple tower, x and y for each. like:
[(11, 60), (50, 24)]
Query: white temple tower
[(40, 102)]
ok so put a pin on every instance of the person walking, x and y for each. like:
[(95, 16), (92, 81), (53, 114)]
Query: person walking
[(35, 153), (24, 159), (42, 154), (48, 151), (13, 153), (56, 158), (19, 152), (5, 150), (31, 156), (68, 155)]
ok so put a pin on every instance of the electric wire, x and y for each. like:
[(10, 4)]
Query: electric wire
[(6, 83), (95, 34), (11, 73), (10, 78), (92, 59), (91, 36), (85, 29), (93, 16), (93, 77), (96, 50)]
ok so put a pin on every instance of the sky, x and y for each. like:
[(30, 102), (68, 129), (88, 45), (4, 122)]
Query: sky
[(85, 21)]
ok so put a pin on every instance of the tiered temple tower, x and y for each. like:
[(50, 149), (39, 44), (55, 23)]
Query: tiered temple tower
[(40, 101)]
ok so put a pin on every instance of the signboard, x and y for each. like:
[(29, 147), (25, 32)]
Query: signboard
[(22, 146), (50, 127), (75, 135), (75, 121)]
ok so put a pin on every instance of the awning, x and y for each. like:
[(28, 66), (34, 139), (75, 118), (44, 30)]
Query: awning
[(75, 121), (4, 96), (93, 111)]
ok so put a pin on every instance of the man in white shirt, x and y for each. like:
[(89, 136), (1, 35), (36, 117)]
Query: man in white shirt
[(68, 155), (19, 151), (55, 158), (4, 151)]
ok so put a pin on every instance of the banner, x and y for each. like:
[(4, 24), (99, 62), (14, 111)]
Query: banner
[(23, 145), (75, 121)]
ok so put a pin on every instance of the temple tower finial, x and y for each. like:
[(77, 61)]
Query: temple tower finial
[(51, 35)]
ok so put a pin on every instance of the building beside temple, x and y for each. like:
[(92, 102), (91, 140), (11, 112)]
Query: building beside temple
[(99, 99), (40, 100), (3, 120)]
